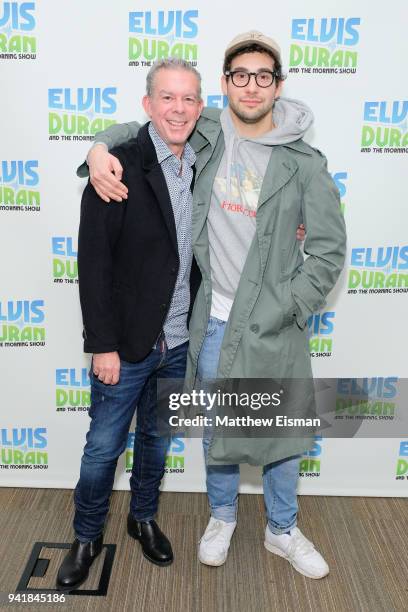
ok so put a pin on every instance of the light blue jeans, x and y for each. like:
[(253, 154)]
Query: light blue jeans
[(279, 478)]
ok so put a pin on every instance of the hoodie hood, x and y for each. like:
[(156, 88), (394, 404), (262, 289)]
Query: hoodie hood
[(291, 118)]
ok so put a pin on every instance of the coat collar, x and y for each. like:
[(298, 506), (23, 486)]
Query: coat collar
[(147, 149), (207, 130), (281, 167), (155, 177), (300, 146)]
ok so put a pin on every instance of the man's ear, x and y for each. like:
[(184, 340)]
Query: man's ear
[(224, 84), (278, 90), (146, 105), (200, 108)]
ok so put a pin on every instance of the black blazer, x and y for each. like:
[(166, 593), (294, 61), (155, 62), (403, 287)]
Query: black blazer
[(128, 257)]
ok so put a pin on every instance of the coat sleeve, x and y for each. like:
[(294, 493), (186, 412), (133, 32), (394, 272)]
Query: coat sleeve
[(113, 136), (99, 230), (325, 244)]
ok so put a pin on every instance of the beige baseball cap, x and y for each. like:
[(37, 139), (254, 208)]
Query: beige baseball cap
[(254, 37)]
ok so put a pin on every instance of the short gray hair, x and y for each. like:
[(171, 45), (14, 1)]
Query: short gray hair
[(174, 63)]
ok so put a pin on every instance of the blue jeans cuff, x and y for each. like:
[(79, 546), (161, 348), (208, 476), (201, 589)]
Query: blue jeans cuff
[(225, 513), (143, 518), (84, 539), (280, 530)]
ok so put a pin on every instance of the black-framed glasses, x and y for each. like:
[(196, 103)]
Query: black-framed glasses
[(241, 78)]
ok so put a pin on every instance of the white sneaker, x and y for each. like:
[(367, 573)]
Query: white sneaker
[(214, 544), (298, 550)]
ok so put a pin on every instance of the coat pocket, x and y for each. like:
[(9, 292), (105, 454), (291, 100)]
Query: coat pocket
[(288, 304), (285, 273)]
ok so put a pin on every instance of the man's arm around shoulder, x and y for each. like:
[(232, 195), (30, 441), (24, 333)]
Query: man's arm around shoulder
[(104, 169), (113, 136)]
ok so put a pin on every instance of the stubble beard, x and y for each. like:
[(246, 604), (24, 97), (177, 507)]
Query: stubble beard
[(247, 118)]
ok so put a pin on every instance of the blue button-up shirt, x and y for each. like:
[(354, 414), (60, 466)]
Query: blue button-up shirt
[(178, 174)]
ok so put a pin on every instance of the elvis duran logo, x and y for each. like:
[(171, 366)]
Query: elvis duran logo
[(378, 270), (174, 458), (402, 463), (366, 398), (321, 327), (22, 323), (309, 465), (78, 113), (155, 35), (324, 46), (64, 263), (17, 25), (340, 179), (72, 390), (385, 128), (23, 448), (19, 181)]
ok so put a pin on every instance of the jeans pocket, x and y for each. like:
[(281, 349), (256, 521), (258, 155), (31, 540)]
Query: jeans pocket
[(126, 364)]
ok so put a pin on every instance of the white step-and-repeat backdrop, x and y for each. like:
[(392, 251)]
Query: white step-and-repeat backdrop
[(68, 69)]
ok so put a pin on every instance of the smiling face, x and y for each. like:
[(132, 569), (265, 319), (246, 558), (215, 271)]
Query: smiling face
[(251, 105), (174, 106)]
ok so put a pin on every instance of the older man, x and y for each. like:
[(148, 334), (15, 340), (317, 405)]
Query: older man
[(134, 266)]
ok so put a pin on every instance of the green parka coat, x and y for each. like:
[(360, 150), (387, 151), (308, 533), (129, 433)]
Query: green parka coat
[(266, 334)]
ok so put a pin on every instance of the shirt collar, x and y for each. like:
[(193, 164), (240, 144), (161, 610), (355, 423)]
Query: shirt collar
[(163, 152)]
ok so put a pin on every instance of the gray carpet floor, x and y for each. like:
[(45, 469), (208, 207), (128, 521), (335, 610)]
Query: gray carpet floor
[(364, 540)]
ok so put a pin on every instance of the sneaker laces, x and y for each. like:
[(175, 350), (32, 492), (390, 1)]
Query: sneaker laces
[(215, 531), (299, 544)]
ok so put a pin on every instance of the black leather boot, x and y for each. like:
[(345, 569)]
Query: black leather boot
[(74, 569), (155, 546)]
